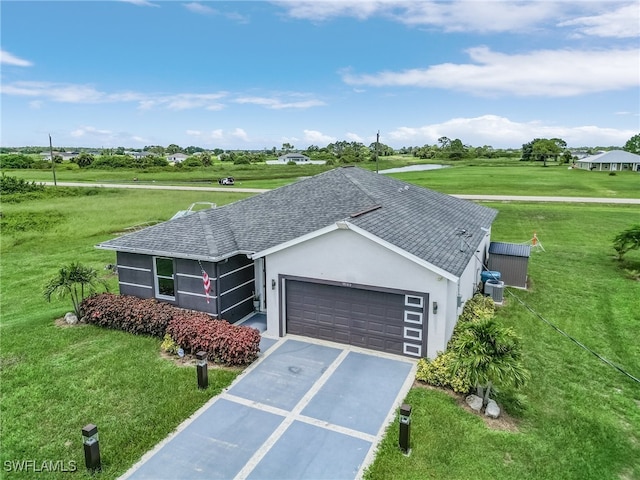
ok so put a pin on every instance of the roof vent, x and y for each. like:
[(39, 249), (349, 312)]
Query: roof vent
[(370, 209)]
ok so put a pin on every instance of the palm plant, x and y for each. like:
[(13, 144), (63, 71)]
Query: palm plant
[(491, 356), (75, 280)]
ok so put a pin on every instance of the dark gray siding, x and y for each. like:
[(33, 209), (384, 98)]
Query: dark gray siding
[(190, 286), (236, 285), (232, 283), (135, 274)]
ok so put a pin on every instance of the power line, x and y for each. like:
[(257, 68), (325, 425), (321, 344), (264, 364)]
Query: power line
[(559, 330)]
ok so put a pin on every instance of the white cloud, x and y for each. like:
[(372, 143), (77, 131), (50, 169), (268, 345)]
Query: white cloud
[(278, 104), (478, 16), (7, 58), (141, 3), (314, 137), (501, 132), (240, 134), (199, 8), (623, 22), (91, 131), (555, 73), (76, 93), (354, 137), (451, 16)]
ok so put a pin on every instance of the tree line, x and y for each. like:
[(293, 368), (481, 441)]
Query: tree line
[(446, 149)]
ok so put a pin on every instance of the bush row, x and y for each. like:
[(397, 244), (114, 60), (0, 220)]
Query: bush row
[(192, 331), (223, 342), (128, 313), (440, 372)]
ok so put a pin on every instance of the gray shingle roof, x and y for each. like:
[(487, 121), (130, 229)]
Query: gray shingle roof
[(612, 156), (511, 249), (422, 222)]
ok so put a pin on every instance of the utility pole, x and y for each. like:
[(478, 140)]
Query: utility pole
[(53, 163), (377, 142)]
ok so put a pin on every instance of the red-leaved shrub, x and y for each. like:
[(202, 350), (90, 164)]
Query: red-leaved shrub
[(223, 342), (193, 331), (131, 314)]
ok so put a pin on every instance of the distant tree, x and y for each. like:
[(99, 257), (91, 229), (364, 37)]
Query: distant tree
[(633, 144), (84, 159), (627, 240), (191, 150), (287, 147), (444, 142), (542, 149), (157, 149), (205, 158), (173, 148)]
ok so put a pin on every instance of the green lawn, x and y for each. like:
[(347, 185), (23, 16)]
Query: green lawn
[(55, 380), (577, 418), (507, 177)]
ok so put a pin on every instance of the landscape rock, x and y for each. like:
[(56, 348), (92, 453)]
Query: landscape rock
[(492, 410), (71, 318), (474, 402)]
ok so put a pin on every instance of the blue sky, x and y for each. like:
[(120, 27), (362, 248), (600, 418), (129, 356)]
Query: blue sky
[(253, 75)]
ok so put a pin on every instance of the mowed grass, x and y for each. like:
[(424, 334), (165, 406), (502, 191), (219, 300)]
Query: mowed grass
[(55, 380), (578, 418), (500, 176), (527, 179)]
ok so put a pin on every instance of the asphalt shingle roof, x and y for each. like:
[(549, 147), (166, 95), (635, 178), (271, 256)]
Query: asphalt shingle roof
[(420, 221), (612, 156), (511, 249)]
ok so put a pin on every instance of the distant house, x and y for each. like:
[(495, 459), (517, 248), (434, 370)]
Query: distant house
[(138, 155), (177, 157), (347, 255), (46, 156), (614, 160), (297, 158)]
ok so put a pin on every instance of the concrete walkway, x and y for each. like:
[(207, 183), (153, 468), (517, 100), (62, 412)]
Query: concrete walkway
[(488, 198), (305, 410)]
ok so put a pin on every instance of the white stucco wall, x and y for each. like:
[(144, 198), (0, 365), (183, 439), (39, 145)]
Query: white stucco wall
[(346, 256)]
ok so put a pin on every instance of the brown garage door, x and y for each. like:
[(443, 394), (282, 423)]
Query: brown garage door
[(386, 321)]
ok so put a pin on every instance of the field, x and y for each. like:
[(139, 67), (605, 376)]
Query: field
[(578, 418), (506, 177)]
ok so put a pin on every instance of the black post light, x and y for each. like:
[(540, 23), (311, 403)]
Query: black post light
[(203, 376), (405, 429), (91, 447)]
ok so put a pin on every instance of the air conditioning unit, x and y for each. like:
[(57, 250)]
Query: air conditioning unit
[(494, 289)]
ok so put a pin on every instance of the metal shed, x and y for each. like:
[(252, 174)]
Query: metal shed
[(512, 261)]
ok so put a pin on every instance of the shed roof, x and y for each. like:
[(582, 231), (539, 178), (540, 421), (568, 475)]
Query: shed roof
[(511, 249), (422, 222)]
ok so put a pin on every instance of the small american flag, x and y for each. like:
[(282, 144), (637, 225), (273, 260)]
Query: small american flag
[(207, 284)]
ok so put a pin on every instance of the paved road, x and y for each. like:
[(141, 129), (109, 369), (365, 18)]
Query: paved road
[(489, 198), (159, 187)]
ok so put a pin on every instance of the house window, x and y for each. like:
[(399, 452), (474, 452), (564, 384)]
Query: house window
[(413, 301), (164, 276)]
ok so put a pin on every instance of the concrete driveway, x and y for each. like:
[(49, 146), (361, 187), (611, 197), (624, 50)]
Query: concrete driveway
[(304, 410)]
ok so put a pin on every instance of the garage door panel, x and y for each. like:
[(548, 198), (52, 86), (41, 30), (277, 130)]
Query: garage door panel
[(355, 316)]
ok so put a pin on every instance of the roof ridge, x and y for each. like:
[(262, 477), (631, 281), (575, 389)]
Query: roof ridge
[(209, 237), (347, 174)]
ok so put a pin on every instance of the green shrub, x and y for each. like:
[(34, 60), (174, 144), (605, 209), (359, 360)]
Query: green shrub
[(16, 160), (169, 345), (440, 373), (10, 185)]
